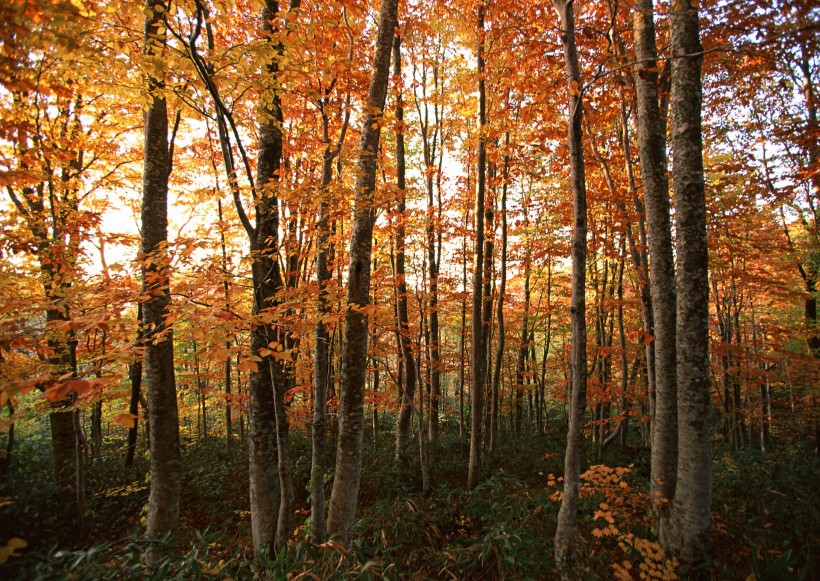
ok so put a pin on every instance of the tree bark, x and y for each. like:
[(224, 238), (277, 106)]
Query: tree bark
[(135, 377), (477, 355), (690, 519), (163, 502), (227, 365), (321, 360), (502, 289), (344, 497), (407, 346), (567, 516), (662, 266)]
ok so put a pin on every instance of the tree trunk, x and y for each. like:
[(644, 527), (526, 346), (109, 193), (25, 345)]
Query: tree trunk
[(685, 537), (227, 365), (321, 357), (567, 516), (478, 359), (135, 377), (407, 345), (96, 431), (271, 487), (502, 289), (344, 497), (662, 271), (523, 350), (5, 460), (163, 502)]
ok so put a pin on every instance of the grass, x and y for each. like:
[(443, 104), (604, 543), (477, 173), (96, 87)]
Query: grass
[(765, 516)]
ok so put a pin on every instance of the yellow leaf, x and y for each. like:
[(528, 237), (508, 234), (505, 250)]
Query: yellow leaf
[(9, 549)]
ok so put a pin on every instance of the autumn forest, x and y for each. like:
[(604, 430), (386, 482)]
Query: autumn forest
[(401, 289)]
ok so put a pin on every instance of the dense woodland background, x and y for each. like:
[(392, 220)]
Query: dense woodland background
[(431, 266)]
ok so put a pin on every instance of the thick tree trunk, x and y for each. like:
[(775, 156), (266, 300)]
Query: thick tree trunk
[(662, 268), (407, 346), (477, 355), (67, 453), (567, 516), (345, 494), (685, 537), (163, 502), (262, 450), (271, 487)]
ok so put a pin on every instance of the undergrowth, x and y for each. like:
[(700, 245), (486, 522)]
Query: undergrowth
[(765, 517)]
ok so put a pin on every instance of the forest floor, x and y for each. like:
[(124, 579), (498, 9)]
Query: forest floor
[(766, 516)]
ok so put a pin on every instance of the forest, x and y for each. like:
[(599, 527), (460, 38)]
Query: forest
[(409, 290)]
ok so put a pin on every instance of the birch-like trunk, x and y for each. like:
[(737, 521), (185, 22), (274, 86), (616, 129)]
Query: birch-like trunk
[(690, 519), (567, 516), (662, 263), (345, 494)]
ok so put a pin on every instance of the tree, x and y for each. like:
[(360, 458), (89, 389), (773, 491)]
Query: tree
[(565, 533), (477, 351), (406, 342), (344, 497), (324, 252), (163, 503), (690, 518), (651, 135)]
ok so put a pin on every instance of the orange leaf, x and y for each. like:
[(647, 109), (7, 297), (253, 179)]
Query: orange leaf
[(126, 420)]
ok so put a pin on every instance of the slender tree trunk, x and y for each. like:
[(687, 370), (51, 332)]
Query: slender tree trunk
[(345, 494), (135, 377), (226, 295), (5, 460), (499, 354), (478, 359), (462, 342), (432, 263), (96, 431), (163, 502), (407, 345), (523, 350), (424, 459), (662, 272), (321, 361), (691, 507), (567, 516)]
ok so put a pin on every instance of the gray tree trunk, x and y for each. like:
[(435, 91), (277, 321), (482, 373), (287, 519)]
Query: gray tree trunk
[(651, 134), (271, 486), (567, 515), (345, 494), (690, 519), (163, 502)]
